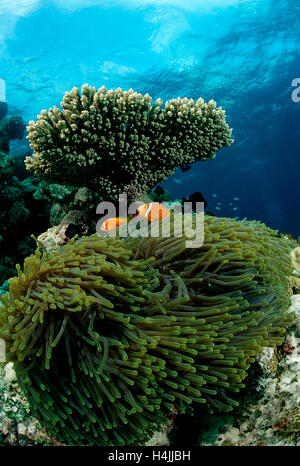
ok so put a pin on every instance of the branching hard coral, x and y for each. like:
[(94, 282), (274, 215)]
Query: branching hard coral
[(115, 140), (108, 335)]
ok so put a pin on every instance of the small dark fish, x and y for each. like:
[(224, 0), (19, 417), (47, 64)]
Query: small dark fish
[(194, 198), (185, 167), (159, 190)]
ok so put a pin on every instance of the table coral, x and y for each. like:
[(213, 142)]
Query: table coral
[(114, 140)]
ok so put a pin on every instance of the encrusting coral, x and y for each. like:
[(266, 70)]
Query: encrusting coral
[(115, 140), (108, 335)]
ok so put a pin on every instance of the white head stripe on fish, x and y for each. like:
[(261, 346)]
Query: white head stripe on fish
[(148, 210)]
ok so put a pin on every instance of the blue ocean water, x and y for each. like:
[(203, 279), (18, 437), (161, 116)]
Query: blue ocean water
[(244, 54)]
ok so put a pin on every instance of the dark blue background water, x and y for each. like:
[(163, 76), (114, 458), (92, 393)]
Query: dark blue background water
[(243, 54)]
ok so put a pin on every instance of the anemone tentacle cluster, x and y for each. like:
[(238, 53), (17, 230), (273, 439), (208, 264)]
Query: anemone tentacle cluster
[(115, 140), (108, 335)]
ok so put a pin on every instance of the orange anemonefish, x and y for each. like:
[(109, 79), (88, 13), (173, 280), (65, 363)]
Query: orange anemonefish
[(113, 223), (153, 211)]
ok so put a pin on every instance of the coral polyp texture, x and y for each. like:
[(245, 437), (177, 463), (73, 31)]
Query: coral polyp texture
[(108, 335), (115, 140)]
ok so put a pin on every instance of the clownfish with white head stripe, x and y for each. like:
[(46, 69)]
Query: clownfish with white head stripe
[(113, 223), (153, 211)]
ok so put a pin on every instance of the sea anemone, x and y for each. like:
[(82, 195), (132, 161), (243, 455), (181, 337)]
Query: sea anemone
[(108, 335)]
